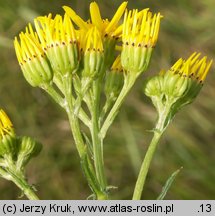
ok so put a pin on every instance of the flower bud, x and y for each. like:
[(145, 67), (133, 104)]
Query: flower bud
[(139, 37), (154, 86), (114, 80), (27, 148), (180, 85), (58, 39), (32, 59), (93, 53), (8, 147)]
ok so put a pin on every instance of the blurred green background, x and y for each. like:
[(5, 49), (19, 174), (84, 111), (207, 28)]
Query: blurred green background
[(188, 25)]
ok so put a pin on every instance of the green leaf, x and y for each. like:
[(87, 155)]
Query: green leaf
[(168, 184)]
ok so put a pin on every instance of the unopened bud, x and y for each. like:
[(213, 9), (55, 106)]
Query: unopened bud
[(93, 53), (139, 37), (27, 148), (32, 59), (114, 79)]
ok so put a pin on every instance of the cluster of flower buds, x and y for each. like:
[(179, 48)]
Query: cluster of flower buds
[(64, 45), (179, 85), (15, 152)]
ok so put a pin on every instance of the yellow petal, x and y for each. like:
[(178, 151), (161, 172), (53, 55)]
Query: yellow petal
[(202, 78), (75, 18), (116, 17), (95, 15)]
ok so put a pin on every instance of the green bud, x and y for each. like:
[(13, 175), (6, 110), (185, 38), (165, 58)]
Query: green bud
[(154, 86), (175, 85), (27, 148), (114, 80)]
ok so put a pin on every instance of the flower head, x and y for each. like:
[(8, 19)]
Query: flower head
[(110, 30), (139, 37), (59, 41), (32, 58), (93, 52)]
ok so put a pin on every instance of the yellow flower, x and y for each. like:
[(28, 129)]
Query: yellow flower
[(6, 127), (106, 27), (110, 30), (58, 39), (139, 37), (32, 59)]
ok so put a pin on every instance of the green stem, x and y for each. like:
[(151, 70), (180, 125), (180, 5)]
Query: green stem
[(114, 111), (61, 101), (20, 182), (73, 120), (85, 161), (145, 166), (98, 152), (74, 124), (84, 117), (97, 142), (80, 145), (54, 94), (158, 131), (108, 103), (58, 80)]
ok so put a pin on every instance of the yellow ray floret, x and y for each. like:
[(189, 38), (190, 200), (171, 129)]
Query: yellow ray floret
[(75, 18), (5, 124), (106, 27), (194, 67), (116, 18), (95, 15), (141, 28)]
